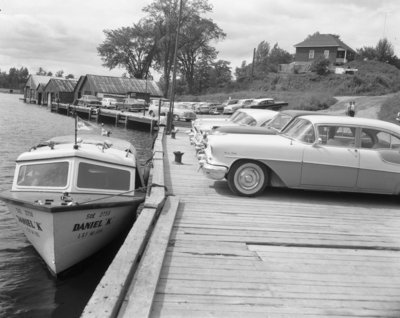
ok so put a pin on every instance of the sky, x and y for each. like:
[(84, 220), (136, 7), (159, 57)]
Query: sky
[(64, 34)]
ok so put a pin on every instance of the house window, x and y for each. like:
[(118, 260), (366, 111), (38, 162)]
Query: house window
[(340, 54), (311, 54), (326, 54)]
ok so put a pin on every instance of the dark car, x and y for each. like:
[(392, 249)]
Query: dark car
[(89, 101), (132, 105)]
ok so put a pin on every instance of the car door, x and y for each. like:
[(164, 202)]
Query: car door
[(332, 162), (379, 162)]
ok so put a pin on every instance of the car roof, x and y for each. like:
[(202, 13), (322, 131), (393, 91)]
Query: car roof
[(355, 121), (261, 99), (256, 111), (300, 112)]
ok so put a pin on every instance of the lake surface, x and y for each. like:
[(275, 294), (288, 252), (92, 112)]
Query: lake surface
[(27, 289)]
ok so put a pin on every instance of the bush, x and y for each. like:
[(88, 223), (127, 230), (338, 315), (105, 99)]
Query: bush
[(389, 109), (320, 66)]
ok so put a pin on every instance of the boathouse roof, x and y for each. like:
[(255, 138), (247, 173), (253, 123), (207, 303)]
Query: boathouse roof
[(61, 85), (34, 81), (118, 85)]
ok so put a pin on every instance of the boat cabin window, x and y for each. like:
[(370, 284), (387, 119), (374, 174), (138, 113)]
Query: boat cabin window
[(54, 174), (101, 177)]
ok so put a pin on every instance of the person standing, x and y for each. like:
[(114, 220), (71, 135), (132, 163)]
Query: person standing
[(351, 109)]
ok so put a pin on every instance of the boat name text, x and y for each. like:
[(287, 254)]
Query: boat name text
[(29, 223), (90, 225)]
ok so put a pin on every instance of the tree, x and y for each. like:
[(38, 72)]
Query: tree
[(195, 44), (15, 79), (59, 73), (384, 51), (278, 56), (70, 76), (367, 52), (132, 48), (243, 72), (164, 16), (41, 71)]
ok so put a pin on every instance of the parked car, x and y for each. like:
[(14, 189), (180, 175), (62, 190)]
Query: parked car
[(109, 102), (89, 101), (202, 108), (216, 108), (332, 153), (266, 103), (230, 109), (242, 117), (132, 105), (270, 126), (181, 111)]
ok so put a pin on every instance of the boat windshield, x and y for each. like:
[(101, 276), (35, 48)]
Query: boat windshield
[(52, 174), (91, 176)]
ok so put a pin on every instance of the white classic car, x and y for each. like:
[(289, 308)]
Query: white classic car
[(242, 117), (319, 152), (182, 111), (242, 103)]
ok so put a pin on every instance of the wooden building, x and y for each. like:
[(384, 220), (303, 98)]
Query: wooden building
[(327, 46), (31, 93), (60, 89), (109, 86)]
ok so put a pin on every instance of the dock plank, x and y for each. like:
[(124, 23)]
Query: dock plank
[(286, 253)]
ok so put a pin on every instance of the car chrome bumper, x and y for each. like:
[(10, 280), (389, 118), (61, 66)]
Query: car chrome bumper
[(213, 172)]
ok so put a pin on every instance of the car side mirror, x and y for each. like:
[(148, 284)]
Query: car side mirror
[(317, 142)]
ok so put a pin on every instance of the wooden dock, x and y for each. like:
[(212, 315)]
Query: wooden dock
[(117, 117), (286, 253)]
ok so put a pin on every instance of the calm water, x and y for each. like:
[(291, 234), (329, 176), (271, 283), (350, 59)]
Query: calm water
[(27, 289)]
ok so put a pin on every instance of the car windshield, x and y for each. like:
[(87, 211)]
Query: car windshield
[(278, 122), (237, 116), (246, 120), (301, 129)]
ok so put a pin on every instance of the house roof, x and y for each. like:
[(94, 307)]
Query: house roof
[(323, 40), (120, 85), (61, 85)]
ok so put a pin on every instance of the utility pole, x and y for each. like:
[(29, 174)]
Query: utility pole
[(171, 103), (252, 64)]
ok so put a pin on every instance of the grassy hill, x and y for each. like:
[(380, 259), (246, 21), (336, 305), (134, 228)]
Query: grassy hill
[(312, 91)]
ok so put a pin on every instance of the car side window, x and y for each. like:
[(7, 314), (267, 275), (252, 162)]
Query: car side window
[(376, 139), (335, 135)]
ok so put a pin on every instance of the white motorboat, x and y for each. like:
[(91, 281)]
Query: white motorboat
[(72, 196)]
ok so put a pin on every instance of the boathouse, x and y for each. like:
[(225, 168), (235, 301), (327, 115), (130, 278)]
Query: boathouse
[(31, 93), (60, 89), (110, 86)]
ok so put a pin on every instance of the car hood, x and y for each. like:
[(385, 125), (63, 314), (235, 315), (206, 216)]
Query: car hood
[(244, 141), (242, 129), (207, 124)]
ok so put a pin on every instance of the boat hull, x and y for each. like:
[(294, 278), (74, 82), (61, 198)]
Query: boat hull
[(65, 238)]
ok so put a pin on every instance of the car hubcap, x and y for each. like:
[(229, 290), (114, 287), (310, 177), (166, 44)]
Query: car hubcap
[(249, 178)]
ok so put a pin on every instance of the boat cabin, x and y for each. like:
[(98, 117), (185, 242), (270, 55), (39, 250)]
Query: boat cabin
[(93, 166)]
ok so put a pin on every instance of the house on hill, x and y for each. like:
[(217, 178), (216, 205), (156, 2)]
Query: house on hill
[(327, 46), (60, 89), (31, 93), (109, 86)]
